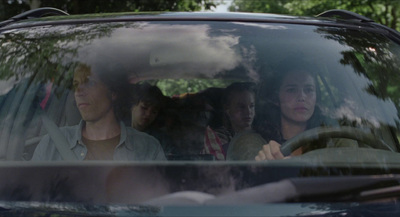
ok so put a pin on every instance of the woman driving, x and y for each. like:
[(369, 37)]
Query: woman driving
[(294, 101)]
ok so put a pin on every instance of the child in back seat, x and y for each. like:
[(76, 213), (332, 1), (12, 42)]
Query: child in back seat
[(238, 103)]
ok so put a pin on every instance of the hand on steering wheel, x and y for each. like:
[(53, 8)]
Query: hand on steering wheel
[(274, 150), (320, 133), (270, 151)]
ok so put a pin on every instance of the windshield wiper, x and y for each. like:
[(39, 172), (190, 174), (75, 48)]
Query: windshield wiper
[(34, 13), (315, 189), (381, 193), (344, 189)]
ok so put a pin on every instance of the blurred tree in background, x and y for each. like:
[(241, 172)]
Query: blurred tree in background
[(9, 8), (386, 12)]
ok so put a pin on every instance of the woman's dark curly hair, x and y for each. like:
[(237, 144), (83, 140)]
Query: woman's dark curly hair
[(268, 111)]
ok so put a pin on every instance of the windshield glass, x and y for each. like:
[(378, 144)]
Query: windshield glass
[(190, 90)]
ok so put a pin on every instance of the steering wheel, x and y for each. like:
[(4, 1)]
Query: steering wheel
[(332, 132)]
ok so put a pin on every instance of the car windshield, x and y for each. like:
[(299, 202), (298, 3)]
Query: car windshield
[(191, 63), (204, 92)]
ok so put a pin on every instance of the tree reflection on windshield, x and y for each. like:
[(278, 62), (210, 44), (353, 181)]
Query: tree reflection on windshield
[(375, 62), (370, 55)]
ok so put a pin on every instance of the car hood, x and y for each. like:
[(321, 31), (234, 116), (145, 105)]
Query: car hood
[(191, 189)]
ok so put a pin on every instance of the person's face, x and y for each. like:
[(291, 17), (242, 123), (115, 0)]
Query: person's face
[(93, 98), (241, 110), (143, 115), (297, 97)]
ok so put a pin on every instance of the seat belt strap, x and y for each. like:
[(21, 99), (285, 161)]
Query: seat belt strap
[(58, 138)]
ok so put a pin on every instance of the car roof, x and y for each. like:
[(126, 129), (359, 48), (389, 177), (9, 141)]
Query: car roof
[(35, 17), (333, 18)]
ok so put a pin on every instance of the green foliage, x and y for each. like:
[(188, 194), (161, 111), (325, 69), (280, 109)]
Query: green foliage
[(386, 12), (9, 8), (171, 87), (260, 6), (23, 56)]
